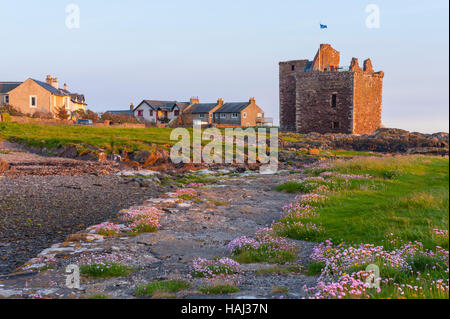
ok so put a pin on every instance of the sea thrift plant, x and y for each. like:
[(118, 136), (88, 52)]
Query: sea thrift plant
[(143, 219), (107, 229), (185, 193), (195, 185), (212, 268), (266, 246)]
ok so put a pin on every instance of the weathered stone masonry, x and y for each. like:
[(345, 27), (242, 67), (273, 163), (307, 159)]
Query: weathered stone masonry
[(319, 96)]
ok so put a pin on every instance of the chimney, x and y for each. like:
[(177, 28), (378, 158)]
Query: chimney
[(55, 83), (252, 100), (195, 100), (220, 102), (131, 107), (65, 87), (48, 80)]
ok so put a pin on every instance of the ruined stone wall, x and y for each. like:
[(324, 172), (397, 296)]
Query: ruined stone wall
[(287, 92), (368, 93), (314, 110)]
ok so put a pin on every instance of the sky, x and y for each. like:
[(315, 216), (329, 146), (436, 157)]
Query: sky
[(127, 51)]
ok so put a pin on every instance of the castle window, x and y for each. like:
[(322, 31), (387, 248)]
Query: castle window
[(334, 100), (293, 67), (335, 125)]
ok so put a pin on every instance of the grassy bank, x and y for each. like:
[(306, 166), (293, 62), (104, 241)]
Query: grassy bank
[(392, 212), (84, 137)]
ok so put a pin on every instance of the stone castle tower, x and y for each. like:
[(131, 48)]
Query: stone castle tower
[(320, 96)]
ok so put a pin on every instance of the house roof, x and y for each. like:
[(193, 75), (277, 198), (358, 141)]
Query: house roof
[(5, 87), (164, 105), (51, 89), (235, 107), (202, 108)]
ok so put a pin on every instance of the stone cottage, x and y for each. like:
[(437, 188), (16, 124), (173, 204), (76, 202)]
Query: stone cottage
[(321, 96), (34, 96)]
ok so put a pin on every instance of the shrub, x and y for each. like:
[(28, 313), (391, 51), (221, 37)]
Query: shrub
[(5, 117)]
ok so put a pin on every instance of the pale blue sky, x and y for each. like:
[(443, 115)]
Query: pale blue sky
[(125, 51)]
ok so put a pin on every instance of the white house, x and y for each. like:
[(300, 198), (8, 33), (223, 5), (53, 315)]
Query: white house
[(159, 111)]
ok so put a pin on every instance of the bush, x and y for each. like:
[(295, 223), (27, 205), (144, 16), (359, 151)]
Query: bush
[(10, 110), (119, 118), (5, 117)]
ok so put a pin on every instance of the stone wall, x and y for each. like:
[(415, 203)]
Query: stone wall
[(368, 88), (287, 92), (324, 98), (314, 110)]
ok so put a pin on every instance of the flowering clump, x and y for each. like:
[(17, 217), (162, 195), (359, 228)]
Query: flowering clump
[(441, 233), (343, 274), (105, 266), (265, 247), (143, 219), (347, 286), (212, 268), (310, 199), (107, 229), (185, 193)]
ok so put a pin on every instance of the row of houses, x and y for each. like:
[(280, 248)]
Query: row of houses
[(33, 96), (193, 112)]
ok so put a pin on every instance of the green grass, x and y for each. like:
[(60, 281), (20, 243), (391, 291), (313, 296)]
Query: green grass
[(109, 139), (161, 288), (290, 187), (218, 289), (106, 270), (262, 255), (409, 197)]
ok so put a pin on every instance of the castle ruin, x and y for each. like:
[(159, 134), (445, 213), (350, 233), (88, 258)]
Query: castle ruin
[(320, 96)]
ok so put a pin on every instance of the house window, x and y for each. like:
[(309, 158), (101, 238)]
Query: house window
[(201, 116), (6, 99), (165, 114), (151, 112), (217, 116), (223, 115), (293, 67), (176, 112), (260, 115), (334, 100), (33, 101), (244, 115), (234, 115), (335, 125), (140, 113)]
